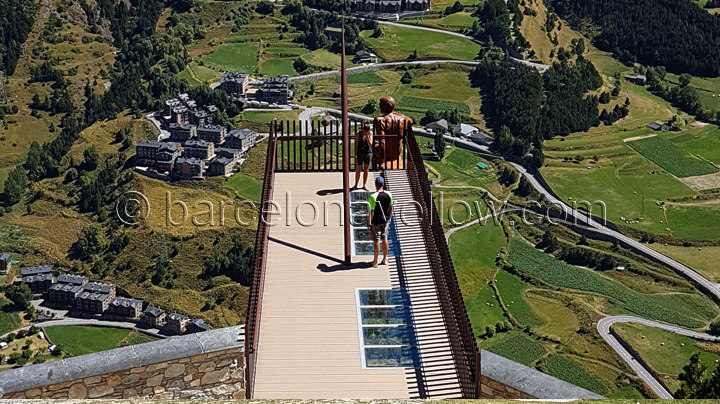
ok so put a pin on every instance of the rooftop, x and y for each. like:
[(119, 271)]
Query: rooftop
[(66, 287), (240, 133), (72, 279), (45, 269), (153, 311), (126, 302), (100, 297), (4, 257), (37, 278), (98, 287)]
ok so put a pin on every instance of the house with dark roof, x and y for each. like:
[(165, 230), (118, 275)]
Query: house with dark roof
[(89, 304), (242, 139), (221, 166), (27, 271), (658, 126), (639, 79), (274, 91), (99, 287), (38, 283), (124, 308), (177, 323), (200, 117), (197, 325), (5, 263), (62, 295), (439, 126), (159, 155), (228, 153), (235, 83), (212, 133), (182, 132), (188, 167), (153, 317), (199, 149), (72, 279), (362, 56)]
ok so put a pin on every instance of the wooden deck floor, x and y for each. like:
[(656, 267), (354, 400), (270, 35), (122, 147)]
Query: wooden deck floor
[(308, 343)]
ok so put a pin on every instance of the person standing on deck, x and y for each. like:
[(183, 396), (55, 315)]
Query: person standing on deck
[(363, 153), (381, 205)]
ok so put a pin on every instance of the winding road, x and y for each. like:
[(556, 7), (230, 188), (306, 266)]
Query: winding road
[(603, 326)]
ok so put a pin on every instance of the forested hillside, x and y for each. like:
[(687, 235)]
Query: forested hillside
[(16, 20), (676, 34)]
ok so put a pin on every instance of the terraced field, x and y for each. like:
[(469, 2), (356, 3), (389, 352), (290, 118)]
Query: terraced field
[(566, 369), (671, 157), (686, 310)]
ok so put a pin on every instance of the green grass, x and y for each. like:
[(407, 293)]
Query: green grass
[(80, 340), (511, 291), (703, 142), (687, 310), (135, 337), (241, 57), (325, 59), (9, 320), (197, 75), (665, 352), (519, 348), (566, 369), (14, 237), (277, 67), (245, 186), (671, 157), (398, 42), (424, 104), (260, 120), (458, 168), (473, 252), (363, 78), (294, 51)]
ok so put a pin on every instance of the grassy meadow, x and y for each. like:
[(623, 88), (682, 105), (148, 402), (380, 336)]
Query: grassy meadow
[(78, 340), (397, 43)]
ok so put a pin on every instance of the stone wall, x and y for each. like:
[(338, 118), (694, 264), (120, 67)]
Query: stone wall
[(203, 365), (505, 379)]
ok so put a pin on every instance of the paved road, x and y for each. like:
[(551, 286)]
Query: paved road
[(603, 327), (162, 133), (705, 286), (90, 322)]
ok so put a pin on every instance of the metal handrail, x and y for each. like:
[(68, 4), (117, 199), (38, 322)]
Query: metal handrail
[(252, 323)]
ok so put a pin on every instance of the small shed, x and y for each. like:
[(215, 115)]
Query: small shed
[(482, 165)]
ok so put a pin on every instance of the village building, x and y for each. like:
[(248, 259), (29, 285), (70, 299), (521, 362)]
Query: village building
[(188, 167), (99, 287), (639, 79), (242, 139), (481, 138), (212, 133), (199, 149), (235, 83), (123, 307), (71, 279), (228, 153), (440, 126), (5, 263), (464, 130), (62, 295), (658, 126), (159, 155), (200, 117), (89, 303), (182, 132), (274, 91), (197, 325), (362, 56), (153, 317), (177, 323), (39, 283), (28, 271), (221, 166)]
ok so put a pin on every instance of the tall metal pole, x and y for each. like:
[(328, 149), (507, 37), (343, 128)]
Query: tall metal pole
[(346, 147)]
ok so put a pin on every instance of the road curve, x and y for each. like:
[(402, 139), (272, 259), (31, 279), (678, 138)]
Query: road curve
[(603, 327)]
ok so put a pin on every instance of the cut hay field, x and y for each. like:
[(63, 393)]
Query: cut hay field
[(458, 22), (475, 267), (439, 89), (398, 42), (666, 353), (197, 75), (512, 291), (240, 57)]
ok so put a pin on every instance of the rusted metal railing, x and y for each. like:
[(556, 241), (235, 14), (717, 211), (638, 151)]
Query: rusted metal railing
[(252, 323), (317, 146), (462, 340)]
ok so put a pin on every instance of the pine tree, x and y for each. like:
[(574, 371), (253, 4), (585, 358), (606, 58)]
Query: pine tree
[(693, 379), (15, 186)]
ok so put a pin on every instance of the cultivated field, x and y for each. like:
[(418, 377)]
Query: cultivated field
[(671, 157)]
